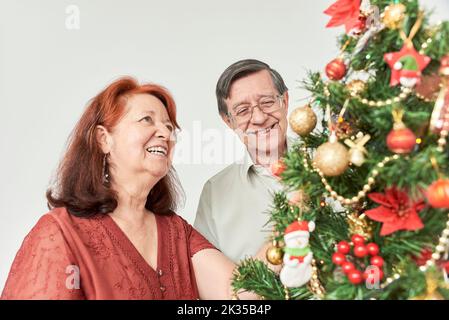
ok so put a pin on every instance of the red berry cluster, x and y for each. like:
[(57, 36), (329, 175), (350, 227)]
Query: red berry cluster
[(360, 250)]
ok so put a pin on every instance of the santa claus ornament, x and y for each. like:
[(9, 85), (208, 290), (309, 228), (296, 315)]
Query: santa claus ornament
[(407, 64), (297, 269)]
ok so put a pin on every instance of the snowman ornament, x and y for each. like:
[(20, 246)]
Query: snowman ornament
[(297, 268)]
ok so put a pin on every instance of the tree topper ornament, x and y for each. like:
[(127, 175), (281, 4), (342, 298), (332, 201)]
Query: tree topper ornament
[(407, 64), (297, 269)]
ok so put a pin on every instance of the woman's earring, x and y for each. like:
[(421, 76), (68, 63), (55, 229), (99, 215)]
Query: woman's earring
[(105, 170)]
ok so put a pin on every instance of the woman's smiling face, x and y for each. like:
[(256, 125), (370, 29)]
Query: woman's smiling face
[(143, 140)]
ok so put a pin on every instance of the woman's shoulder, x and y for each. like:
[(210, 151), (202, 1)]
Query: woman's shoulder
[(46, 233), (175, 220), (48, 221), (59, 219)]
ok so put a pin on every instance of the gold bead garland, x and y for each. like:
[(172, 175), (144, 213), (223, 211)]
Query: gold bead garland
[(405, 92), (315, 285), (425, 45), (362, 193), (390, 280), (442, 140), (287, 293)]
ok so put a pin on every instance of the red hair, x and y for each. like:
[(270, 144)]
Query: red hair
[(79, 179)]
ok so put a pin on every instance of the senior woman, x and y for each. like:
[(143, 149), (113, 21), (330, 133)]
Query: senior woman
[(112, 232)]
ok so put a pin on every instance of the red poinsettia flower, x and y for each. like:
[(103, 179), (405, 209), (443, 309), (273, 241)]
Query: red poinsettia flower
[(345, 12), (397, 211)]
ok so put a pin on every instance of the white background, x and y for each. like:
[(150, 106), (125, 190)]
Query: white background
[(48, 73)]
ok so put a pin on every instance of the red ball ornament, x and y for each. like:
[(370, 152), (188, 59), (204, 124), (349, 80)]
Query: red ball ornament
[(336, 69), (438, 194), (357, 239), (377, 261), (338, 258), (347, 267), (343, 247), (355, 276), (373, 249), (277, 168), (401, 140), (360, 251)]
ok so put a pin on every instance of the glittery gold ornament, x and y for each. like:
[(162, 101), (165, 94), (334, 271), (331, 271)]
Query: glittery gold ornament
[(344, 129), (314, 284), (355, 87), (332, 158), (303, 120), (275, 254), (359, 225), (393, 15), (431, 289)]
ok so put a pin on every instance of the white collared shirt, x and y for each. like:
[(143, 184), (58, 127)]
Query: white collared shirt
[(234, 208)]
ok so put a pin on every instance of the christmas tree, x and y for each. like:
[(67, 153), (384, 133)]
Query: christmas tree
[(364, 210)]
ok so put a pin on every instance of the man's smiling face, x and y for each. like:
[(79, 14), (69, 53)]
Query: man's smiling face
[(263, 133)]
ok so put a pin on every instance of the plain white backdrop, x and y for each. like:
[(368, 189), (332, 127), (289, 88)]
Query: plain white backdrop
[(49, 72)]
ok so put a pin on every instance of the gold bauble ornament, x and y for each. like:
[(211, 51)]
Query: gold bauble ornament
[(393, 16), (359, 225), (332, 158), (302, 120), (275, 255), (431, 288), (355, 87)]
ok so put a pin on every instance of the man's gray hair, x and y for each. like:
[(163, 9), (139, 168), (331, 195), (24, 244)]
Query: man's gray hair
[(239, 70)]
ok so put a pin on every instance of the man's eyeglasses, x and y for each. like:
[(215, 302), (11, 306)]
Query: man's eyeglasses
[(267, 104)]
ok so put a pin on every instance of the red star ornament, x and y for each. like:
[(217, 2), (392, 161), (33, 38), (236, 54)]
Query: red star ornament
[(397, 211), (406, 66)]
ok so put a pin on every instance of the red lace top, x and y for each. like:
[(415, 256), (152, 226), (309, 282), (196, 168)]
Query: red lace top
[(66, 257)]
